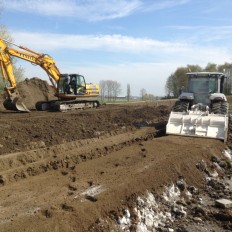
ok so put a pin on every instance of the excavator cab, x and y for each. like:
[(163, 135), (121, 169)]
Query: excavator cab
[(71, 84)]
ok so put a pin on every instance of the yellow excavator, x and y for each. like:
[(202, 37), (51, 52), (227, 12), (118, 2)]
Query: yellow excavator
[(71, 90)]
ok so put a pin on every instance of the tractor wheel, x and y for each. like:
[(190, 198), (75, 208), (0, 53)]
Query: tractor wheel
[(181, 106), (224, 108), (220, 107)]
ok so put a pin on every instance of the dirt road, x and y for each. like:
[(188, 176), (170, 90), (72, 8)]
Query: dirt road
[(90, 170)]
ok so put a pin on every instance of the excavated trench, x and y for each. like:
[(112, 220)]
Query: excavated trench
[(21, 165)]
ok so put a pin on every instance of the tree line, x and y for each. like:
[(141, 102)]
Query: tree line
[(178, 79), (109, 90)]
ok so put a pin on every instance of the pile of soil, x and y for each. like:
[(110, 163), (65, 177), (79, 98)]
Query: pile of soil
[(33, 90)]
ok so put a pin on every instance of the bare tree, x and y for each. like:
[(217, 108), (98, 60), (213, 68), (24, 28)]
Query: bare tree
[(143, 93), (116, 89), (128, 92), (150, 97), (102, 89), (110, 89)]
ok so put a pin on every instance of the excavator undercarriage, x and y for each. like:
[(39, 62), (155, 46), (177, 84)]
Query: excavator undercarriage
[(63, 106)]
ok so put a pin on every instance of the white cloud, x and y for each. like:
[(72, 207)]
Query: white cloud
[(205, 33), (89, 10), (112, 43), (165, 4), (155, 49)]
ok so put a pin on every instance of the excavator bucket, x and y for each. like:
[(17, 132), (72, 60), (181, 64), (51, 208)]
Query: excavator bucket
[(198, 124), (15, 104)]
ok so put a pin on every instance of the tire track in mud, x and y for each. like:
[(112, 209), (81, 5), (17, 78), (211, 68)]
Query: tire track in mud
[(21, 165)]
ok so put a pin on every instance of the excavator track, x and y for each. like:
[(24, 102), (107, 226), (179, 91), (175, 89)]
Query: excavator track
[(63, 106)]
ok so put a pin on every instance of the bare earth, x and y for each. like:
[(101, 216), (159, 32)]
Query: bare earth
[(80, 170)]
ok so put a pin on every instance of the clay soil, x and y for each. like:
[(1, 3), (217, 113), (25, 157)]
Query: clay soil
[(75, 171)]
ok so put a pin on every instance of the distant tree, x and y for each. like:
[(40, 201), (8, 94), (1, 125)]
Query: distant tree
[(102, 86), (227, 69), (116, 89), (175, 81), (224, 67), (210, 67), (109, 89), (194, 68), (128, 92), (169, 85), (149, 97), (143, 93), (178, 79)]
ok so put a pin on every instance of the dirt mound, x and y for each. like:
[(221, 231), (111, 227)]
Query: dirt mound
[(1, 103), (34, 90)]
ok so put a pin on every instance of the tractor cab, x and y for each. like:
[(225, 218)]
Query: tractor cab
[(203, 84)]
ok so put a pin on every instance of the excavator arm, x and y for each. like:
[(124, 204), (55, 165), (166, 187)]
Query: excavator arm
[(43, 60), (13, 100)]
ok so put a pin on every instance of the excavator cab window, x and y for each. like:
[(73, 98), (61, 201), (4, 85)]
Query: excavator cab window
[(77, 84), (63, 84), (71, 84)]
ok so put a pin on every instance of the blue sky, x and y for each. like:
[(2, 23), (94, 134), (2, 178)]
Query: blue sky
[(136, 42)]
